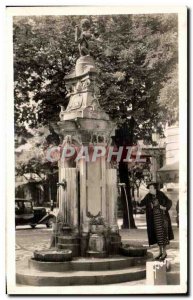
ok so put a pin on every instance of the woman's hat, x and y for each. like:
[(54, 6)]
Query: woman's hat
[(155, 184)]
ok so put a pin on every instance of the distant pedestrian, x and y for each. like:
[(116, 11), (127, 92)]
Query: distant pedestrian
[(159, 227)]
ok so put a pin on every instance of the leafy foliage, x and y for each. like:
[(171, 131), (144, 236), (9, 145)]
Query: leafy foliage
[(135, 56), (168, 97), (137, 62)]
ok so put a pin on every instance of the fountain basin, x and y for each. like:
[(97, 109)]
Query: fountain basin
[(53, 255)]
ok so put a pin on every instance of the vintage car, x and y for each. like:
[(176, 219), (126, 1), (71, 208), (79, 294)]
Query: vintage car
[(27, 214)]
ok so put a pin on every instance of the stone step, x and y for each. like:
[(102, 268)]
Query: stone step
[(26, 276), (173, 244), (89, 264), (64, 246), (96, 254)]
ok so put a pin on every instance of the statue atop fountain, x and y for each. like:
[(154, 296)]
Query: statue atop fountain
[(81, 82), (82, 36)]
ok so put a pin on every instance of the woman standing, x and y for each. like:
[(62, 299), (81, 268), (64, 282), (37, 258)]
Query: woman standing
[(159, 227)]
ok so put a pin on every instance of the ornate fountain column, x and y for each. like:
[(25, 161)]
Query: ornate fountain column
[(91, 186)]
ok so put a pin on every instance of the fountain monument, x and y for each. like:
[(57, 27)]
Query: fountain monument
[(86, 244)]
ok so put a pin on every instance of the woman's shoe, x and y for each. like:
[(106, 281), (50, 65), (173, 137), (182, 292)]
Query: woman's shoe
[(158, 257), (163, 257)]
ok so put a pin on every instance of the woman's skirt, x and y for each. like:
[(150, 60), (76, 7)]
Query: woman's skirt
[(160, 227)]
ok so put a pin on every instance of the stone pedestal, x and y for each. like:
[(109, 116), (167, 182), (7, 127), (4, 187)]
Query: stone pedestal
[(84, 64), (90, 190), (114, 243), (156, 273), (71, 243)]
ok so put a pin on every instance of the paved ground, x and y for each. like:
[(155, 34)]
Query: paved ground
[(28, 240)]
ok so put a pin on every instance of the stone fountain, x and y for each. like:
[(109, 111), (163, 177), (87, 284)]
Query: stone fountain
[(86, 236), (91, 186)]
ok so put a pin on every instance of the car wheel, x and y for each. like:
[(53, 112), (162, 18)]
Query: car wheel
[(50, 222), (33, 226)]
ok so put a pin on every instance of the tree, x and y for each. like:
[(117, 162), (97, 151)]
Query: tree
[(135, 54), (168, 96), (30, 160), (133, 73)]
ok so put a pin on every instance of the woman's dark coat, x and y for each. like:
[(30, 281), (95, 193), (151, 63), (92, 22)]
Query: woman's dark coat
[(164, 201)]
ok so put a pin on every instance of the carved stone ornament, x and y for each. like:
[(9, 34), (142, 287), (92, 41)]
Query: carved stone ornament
[(86, 84), (67, 140), (79, 87), (75, 102)]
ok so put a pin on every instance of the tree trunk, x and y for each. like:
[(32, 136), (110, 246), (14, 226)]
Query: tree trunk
[(124, 137), (128, 220)]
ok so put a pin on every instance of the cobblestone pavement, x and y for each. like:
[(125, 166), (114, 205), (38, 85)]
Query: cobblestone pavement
[(29, 240)]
